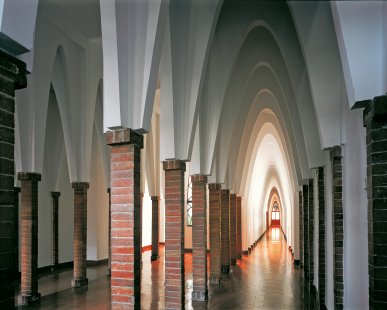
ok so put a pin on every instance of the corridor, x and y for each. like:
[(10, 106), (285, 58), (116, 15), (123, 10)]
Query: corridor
[(266, 279)]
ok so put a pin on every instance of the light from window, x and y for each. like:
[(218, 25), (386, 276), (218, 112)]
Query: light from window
[(189, 203)]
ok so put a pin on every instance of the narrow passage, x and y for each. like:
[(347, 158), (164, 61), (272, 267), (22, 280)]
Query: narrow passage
[(266, 279)]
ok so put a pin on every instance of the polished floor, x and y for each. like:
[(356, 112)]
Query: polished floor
[(266, 279)]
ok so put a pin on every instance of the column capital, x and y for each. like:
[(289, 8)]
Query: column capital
[(336, 152), (376, 109), (198, 178), (174, 164), (29, 176), (55, 194), (14, 69), (124, 136), (214, 186), (320, 170), (80, 185), (225, 191)]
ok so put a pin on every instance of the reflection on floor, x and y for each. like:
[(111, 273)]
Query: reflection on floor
[(266, 279)]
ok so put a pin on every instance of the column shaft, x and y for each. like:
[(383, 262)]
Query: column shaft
[(225, 230), (338, 227), (55, 228), (215, 225), (301, 231), (233, 228), (16, 192), (199, 237), (12, 76), (311, 231), (29, 238), (305, 209), (125, 161), (321, 237), (375, 120), (239, 228), (80, 234), (109, 269), (174, 234), (155, 228)]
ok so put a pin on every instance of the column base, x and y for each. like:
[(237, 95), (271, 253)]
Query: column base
[(54, 268), (233, 261), (27, 300), (154, 257), (199, 296), (214, 280), (226, 269), (77, 283)]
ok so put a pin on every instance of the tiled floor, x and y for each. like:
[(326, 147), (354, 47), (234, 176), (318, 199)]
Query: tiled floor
[(266, 279)]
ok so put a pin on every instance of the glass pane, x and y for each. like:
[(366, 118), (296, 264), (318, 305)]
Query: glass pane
[(189, 203)]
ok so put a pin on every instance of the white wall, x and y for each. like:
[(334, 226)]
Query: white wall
[(66, 218), (97, 207), (355, 213), (146, 218), (55, 177), (65, 215)]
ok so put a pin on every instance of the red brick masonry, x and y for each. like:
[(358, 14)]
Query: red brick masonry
[(125, 159)]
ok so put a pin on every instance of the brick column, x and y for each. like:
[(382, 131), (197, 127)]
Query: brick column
[(225, 230), (12, 76), (29, 238), (125, 160), (239, 228), (301, 229), (55, 226), (80, 234), (215, 225), (321, 238), (140, 232), (233, 228), (305, 209), (155, 228), (311, 231), (174, 234), (375, 121), (338, 229), (199, 237), (109, 269), (16, 192)]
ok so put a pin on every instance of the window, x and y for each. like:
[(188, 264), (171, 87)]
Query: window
[(189, 203), (275, 212)]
